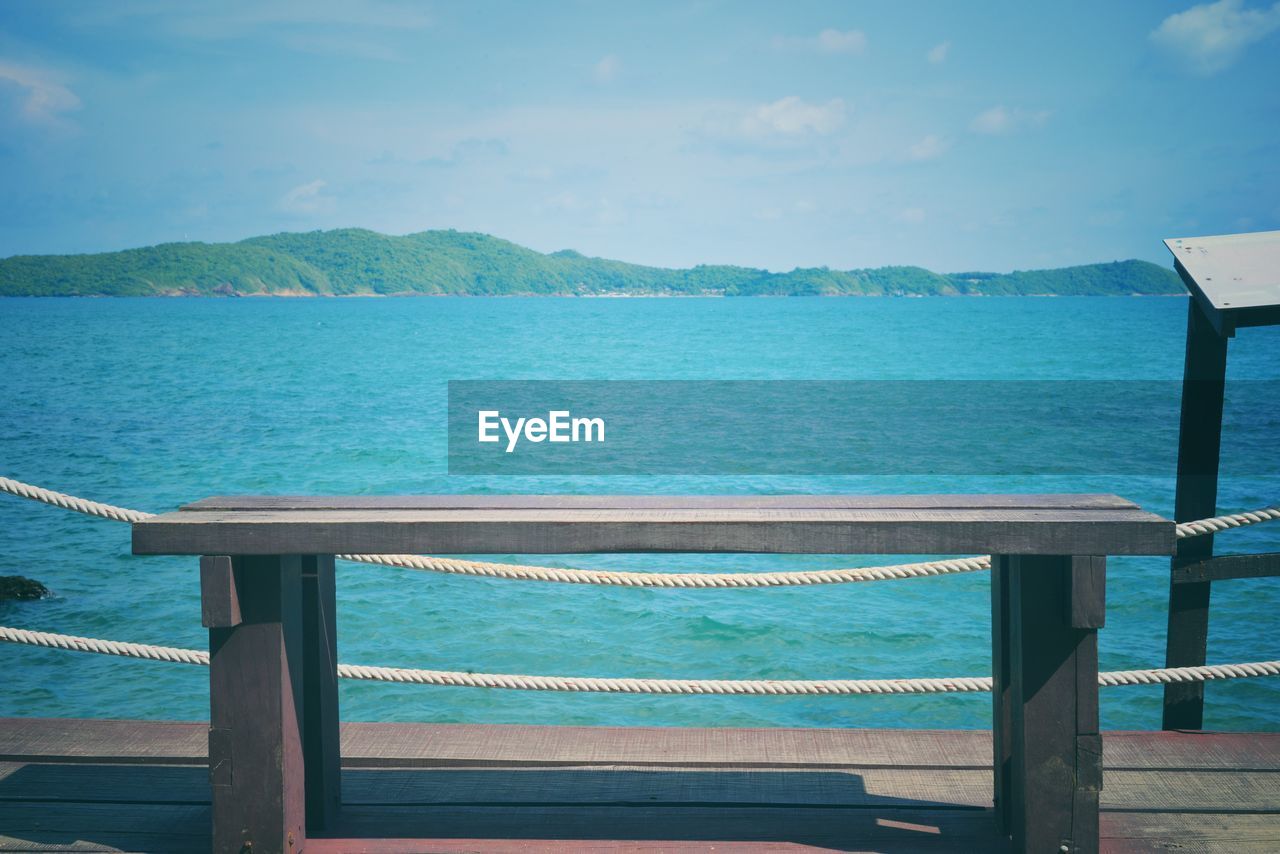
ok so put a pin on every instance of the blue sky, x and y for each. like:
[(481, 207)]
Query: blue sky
[(956, 136)]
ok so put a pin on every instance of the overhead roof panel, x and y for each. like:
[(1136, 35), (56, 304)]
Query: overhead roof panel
[(1234, 275)]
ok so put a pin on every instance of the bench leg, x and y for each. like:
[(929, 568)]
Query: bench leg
[(1046, 611), (255, 702), (320, 668)]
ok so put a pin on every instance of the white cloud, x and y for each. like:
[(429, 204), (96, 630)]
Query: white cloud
[(42, 98), (791, 116), (998, 120), (1034, 118), (607, 69), (590, 212), (539, 174), (1211, 36), (842, 41), (911, 216), (775, 213), (994, 120), (307, 198), (939, 53), (355, 28), (563, 201), (235, 18), (828, 41), (928, 148), (342, 45)]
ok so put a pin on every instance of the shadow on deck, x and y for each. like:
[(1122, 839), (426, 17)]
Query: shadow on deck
[(143, 786)]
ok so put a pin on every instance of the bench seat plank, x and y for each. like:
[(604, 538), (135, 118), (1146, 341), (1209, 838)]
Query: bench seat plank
[(657, 502), (1097, 525)]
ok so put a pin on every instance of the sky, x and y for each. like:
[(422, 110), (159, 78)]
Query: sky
[(955, 136)]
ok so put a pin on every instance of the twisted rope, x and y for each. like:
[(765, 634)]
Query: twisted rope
[(642, 579), (1165, 675), (70, 502), (681, 579), (779, 687), (457, 566), (1213, 525), (700, 580), (105, 647)]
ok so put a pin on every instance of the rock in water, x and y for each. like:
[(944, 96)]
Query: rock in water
[(17, 587)]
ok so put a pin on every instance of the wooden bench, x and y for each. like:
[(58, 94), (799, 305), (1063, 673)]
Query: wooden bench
[(267, 587)]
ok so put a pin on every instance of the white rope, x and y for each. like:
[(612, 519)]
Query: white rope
[(642, 579), (457, 566), (681, 579), (518, 572), (106, 647), (1165, 675), (70, 502), (1200, 527), (958, 684), (579, 684)]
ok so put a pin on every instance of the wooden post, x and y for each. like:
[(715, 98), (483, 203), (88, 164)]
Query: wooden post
[(256, 702), (1001, 694), (1046, 611), (1199, 442), (320, 668)]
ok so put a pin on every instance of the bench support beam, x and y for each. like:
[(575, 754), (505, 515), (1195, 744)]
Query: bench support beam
[(1048, 752), (320, 669), (273, 716)]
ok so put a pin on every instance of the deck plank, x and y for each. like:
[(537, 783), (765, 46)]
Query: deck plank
[(103, 827), (1182, 790), (151, 742), (130, 785), (1190, 833), (46, 827), (478, 745), (851, 830)]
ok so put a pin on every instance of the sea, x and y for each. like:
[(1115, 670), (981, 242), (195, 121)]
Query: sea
[(151, 403)]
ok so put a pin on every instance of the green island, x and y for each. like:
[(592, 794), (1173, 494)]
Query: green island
[(357, 262)]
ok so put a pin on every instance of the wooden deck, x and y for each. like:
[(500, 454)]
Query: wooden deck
[(73, 785)]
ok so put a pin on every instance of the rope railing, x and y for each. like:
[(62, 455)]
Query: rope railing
[(580, 684), (677, 579), (696, 580), (1214, 524), (71, 502), (642, 579)]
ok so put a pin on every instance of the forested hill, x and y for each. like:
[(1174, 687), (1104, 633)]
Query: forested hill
[(355, 261)]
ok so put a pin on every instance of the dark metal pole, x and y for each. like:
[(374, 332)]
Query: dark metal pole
[(1199, 443)]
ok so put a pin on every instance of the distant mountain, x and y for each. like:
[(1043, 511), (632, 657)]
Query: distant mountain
[(354, 261)]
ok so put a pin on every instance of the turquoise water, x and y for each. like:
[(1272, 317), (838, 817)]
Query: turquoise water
[(152, 403)]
